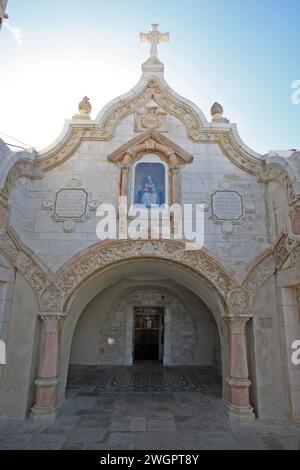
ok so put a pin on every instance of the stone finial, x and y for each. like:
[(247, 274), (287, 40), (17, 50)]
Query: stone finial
[(85, 109), (85, 106), (216, 112)]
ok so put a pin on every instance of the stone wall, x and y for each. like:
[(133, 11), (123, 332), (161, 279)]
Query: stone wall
[(266, 354), (17, 389), (234, 244), (190, 335)]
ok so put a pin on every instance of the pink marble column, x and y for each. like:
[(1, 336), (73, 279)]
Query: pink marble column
[(238, 407), (46, 383)]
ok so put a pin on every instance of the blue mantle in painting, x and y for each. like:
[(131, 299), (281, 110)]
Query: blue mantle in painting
[(149, 184)]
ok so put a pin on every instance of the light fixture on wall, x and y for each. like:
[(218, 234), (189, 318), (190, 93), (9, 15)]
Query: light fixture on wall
[(111, 341)]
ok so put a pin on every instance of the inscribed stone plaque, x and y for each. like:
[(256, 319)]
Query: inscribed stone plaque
[(70, 203), (227, 205)]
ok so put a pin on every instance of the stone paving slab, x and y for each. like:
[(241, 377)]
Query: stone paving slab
[(177, 420)]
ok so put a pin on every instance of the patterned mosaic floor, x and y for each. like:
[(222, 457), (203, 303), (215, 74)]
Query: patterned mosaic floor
[(137, 378), (149, 381)]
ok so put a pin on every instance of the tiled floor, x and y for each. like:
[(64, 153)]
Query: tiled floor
[(188, 413)]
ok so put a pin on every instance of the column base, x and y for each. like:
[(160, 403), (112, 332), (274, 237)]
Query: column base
[(42, 415), (240, 414)]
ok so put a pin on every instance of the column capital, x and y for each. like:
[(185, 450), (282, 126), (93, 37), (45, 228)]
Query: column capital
[(237, 322), (124, 167), (52, 320), (174, 169)]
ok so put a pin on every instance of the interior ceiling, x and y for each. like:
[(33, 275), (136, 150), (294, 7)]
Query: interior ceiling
[(149, 270)]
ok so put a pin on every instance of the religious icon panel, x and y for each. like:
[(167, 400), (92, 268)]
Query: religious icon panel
[(149, 184)]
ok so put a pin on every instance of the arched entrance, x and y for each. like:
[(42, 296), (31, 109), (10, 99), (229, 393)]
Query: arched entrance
[(157, 263), (144, 320), (145, 333)]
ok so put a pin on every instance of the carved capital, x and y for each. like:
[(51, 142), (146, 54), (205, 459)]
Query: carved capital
[(174, 170), (52, 321), (124, 168), (238, 301), (237, 322)]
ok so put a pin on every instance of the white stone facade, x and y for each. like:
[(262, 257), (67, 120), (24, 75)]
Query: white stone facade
[(78, 288)]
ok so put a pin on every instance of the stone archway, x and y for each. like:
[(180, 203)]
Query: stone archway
[(79, 282), (104, 333)]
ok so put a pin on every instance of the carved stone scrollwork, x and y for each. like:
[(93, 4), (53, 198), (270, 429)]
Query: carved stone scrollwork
[(238, 301), (268, 265), (150, 141), (155, 92), (21, 168), (101, 257), (276, 172), (47, 294), (54, 292)]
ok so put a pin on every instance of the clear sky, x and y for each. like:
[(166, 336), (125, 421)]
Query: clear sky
[(242, 53)]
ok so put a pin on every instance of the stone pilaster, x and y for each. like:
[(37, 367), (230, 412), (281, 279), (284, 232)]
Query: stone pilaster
[(238, 406), (124, 180), (174, 172), (44, 409)]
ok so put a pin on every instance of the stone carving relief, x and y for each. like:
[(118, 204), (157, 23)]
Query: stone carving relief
[(69, 205), (150, 141), (273, 261), (275, 172), (238, 301), (21, 168), (101, 257), (151, 117), (157, 93), (54, 291)]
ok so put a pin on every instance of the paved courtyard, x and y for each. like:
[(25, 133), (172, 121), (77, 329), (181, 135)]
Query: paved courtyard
[(145, 407)]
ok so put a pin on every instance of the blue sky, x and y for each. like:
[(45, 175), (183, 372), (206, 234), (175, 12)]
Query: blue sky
[(244, 54)]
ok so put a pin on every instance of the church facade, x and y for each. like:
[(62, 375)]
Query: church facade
[(68, 297)]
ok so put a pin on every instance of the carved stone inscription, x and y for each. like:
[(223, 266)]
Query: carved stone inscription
[(71, 203), (227, 205)]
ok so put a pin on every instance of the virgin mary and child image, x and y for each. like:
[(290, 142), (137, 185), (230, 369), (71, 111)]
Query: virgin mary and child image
[(149, 184), (148, 194)]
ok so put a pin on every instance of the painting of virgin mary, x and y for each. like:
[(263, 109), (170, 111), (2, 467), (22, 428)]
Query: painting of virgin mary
[(149, 185)]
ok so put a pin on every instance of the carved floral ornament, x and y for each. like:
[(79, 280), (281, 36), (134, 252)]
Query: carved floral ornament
[(55, 291)]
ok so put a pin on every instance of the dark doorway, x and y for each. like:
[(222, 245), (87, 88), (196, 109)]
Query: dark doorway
[(148, 334)]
